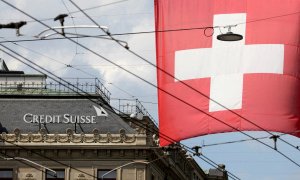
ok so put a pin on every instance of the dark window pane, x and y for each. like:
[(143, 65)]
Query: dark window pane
[(60, 175), (110, 176), (152, 177), (6, 174)]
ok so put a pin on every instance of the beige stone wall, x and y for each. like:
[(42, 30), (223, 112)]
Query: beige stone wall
[(79, 175), (29, 174), (140, 174), (128, 174), (133, 174)]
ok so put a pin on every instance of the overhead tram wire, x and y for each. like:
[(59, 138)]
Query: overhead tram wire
[(132, 99), (147, 32), (103, 5), (100, 36), (268, 18), (182, 82), (50, 58), (73, 67), (66, 65), (86, 9), (114, 34), (87, 96), (75, 29), (106, 59), (245, 140)]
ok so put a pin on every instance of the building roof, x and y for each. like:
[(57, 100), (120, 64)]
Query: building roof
[(18, 112)]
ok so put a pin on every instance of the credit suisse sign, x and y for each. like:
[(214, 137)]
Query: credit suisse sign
[(64, 118)]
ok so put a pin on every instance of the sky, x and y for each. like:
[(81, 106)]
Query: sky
[(247, 160)]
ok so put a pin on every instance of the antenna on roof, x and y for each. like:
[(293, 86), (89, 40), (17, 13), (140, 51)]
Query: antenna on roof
[(3, 66)]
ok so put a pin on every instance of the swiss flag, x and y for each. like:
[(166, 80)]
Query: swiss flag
[(256, 79)]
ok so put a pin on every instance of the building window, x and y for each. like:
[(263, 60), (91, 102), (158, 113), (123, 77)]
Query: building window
[(60, 174), (152, 177), (6, 174), (109, 176)]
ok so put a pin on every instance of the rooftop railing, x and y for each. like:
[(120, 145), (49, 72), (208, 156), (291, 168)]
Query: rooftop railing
[(75, 86), (131, 106)]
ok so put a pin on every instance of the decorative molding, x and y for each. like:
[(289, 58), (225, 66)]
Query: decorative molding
[(71, 138)]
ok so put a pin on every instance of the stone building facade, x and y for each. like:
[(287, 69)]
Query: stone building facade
[(46, 127)]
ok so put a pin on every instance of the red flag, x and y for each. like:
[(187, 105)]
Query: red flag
[(256, 78)]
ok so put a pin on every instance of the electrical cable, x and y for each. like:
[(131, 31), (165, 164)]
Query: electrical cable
[(182, 82), (50, 58), (86, 9), (97, 54), (115, 34), (133, 99), (88, 97), (79, 17), (130, 95), (75, 29), (124, 65), (108, 4), (268, 18), (72, 66), (245, 140), (4, 154), (59, 69), (149, 102), (231, 142)]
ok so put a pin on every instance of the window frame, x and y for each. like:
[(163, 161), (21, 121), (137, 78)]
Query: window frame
[(47, 173), (7, 169), (106, 178)]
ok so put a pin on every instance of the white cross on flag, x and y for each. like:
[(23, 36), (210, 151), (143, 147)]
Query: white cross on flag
[(253, 80)]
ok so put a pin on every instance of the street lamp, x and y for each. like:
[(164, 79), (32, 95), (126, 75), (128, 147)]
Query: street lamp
[(133, 162), (27, 160), (229, 36)]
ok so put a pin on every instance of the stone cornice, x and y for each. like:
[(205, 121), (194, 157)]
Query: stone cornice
[(70, 138)]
